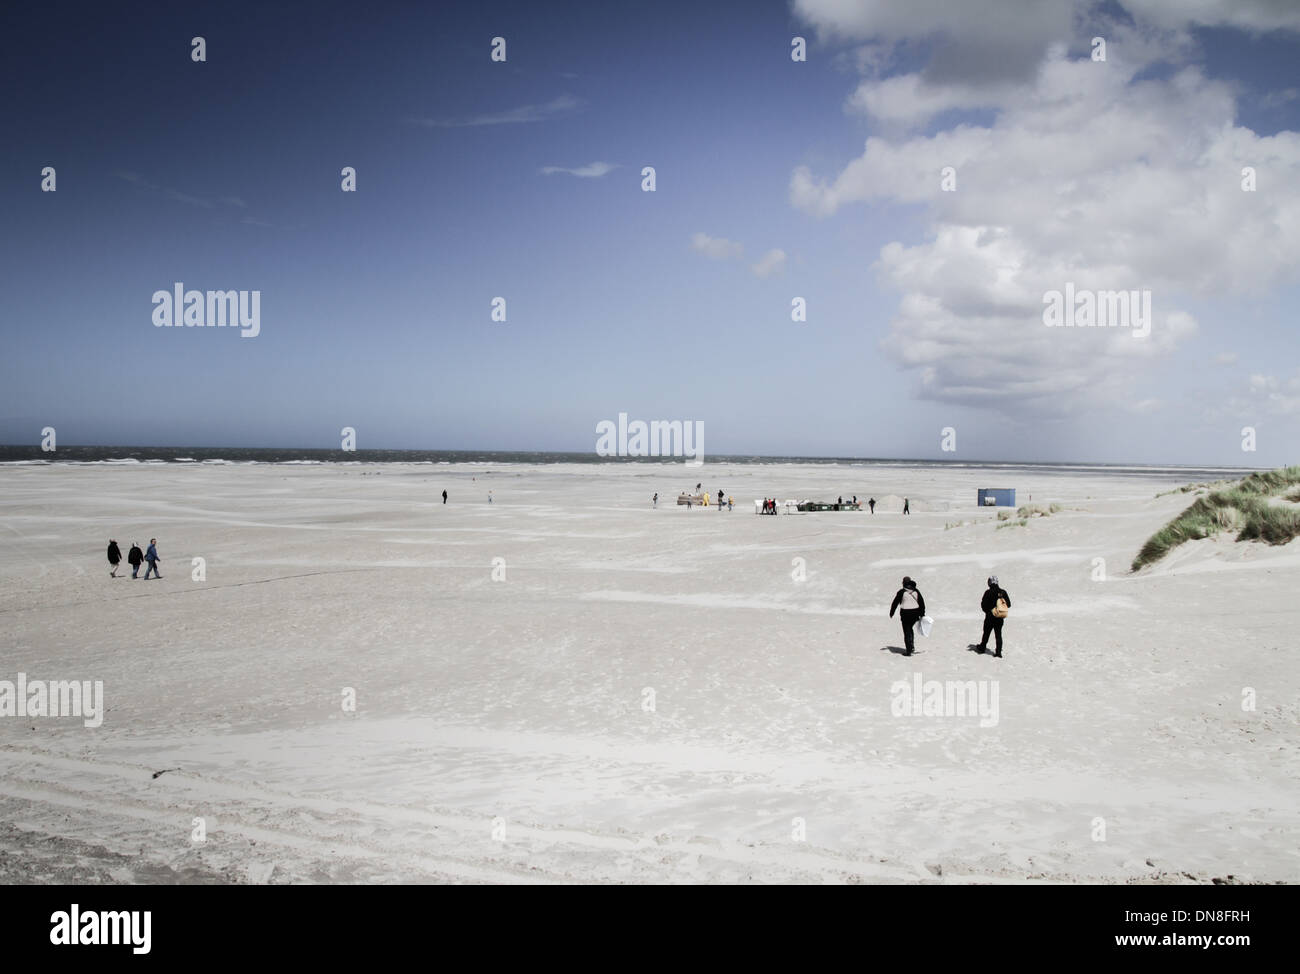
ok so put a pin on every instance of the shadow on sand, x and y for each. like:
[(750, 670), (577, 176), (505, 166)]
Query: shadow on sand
[(898, 650)]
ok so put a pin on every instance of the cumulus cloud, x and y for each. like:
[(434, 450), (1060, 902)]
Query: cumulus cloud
[(1097, 174), (1263, 395), (592, 170), (772, 262), (717, 248), (1250, 15), (997, 42), (967, 41)]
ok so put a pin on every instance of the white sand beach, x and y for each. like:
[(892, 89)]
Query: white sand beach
[(647, 695)]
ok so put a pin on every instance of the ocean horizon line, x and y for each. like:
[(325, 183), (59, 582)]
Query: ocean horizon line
[(125, 453)]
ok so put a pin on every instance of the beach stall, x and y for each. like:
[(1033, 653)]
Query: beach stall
[(997, 497)]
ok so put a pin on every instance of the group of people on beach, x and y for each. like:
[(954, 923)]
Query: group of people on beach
[(721, 499), (135, 558), (910, 604)]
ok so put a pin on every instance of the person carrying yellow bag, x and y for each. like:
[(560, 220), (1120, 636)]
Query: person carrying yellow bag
[(996, 603)]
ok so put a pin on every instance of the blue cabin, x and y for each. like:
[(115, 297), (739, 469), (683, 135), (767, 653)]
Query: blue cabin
[(997, 497)]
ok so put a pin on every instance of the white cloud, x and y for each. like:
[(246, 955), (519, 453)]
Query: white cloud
[(1267, 395), (974, 41), (718, 248), (592, 170), (1225, 358), (556, 108), (772, 262), (1253, 15), (1083, 175)]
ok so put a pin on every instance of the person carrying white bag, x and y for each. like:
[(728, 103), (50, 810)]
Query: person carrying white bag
[(911, 605)]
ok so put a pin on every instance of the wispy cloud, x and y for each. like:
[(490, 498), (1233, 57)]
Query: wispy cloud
[(772, 262), (556, 108), (191, 199), (592, 170), (717, 248), (175, 194)]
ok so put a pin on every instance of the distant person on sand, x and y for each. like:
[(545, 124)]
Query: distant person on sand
[(912, 604), (136, 558), (114, 557), (995, 601), (720, 500), (730, 501), (872, 504), (489, 497), (907, 508), (839, 501), (151, 556), (444, 497), (654, 501)]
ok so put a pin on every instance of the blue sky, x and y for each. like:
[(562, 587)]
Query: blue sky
[(375, 304)]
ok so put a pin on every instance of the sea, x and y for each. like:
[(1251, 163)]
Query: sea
[(29, 455)]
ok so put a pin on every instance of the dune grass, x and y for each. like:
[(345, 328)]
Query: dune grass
[(1036, 510), (1242, 506), (1188, 488), (1014, 524)]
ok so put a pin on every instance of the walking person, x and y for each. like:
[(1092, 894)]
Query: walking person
[(730, 501), (151, 556), (912, 605), (114, 557), (654, 501), (907, 508), (444, 497), (995, 603), (872, 504), (135, 557), (720, 500)]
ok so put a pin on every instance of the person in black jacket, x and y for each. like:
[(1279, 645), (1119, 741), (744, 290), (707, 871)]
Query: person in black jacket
[(993, 623), (114, 557), (135, 557), (913, 607)]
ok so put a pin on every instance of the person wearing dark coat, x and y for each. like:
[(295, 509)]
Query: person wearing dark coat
[(114, 557), (993, 623), (444, 497), (912, 605), (135, 557), (872, 504)]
